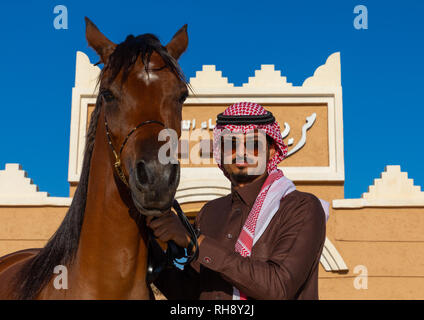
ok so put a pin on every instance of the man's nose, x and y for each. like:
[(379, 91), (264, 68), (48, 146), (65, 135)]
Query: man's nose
[(241, 150)]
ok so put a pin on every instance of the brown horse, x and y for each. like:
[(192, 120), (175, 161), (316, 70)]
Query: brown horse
[(102, 240)]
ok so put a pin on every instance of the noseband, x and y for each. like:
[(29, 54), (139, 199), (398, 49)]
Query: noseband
[(156, 264)]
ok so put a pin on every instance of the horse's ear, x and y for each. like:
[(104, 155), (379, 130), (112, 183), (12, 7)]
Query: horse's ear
[(102, 45), (178, 43)]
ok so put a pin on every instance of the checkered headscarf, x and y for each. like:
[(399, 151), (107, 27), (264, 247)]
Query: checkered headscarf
[(272, 130)]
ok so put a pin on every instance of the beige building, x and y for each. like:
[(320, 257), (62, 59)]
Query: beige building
[(375, 245)]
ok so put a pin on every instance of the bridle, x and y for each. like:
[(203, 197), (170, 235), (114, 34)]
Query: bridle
[(118, 164), (173, 252)]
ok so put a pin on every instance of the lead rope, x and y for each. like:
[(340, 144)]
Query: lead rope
[(193, 235)]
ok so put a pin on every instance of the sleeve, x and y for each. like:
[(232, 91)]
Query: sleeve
[(293, 256), (178, 284)]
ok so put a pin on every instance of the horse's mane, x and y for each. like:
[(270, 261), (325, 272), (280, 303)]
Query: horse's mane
[(63, 245)]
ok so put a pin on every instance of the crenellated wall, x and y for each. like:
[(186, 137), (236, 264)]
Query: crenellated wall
[(380, 235)]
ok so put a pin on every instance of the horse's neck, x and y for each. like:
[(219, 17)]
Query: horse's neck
[(112, 254)]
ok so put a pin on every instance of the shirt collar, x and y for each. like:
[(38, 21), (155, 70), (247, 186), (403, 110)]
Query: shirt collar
[(249, 192)]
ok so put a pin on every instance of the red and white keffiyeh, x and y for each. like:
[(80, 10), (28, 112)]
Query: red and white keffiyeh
[(272, 130)]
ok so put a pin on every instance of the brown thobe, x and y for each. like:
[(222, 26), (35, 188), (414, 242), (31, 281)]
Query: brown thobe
[(283, 262)]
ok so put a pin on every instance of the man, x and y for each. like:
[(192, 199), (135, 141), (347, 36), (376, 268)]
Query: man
[(262, 241)]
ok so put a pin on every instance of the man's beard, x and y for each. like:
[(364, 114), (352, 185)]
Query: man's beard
[(242, 177), (246, 175)]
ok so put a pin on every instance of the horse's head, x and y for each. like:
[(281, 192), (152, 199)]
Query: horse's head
[(141, 86)]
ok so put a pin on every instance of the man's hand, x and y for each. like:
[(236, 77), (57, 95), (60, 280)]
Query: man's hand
[(169, 227)]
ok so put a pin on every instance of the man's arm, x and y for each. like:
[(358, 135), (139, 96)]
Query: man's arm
[(294, 254)]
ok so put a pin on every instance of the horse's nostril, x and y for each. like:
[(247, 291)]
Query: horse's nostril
[(142, 176)]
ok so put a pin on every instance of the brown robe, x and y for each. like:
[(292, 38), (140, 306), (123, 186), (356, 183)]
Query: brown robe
[(283, 263)]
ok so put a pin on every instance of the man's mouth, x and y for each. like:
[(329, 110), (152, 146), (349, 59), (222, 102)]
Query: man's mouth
[(242, 165)]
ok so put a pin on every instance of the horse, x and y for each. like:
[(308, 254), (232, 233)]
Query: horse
[(102, 241)]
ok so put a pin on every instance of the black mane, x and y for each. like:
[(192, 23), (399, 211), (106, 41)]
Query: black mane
[(63, 245)]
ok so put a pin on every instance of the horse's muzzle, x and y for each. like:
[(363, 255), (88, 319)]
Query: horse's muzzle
[(153, 186)]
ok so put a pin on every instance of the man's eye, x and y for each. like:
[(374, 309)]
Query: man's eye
[(259, 145)]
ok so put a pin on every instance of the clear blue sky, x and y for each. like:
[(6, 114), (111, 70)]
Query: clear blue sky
[(382, 70)]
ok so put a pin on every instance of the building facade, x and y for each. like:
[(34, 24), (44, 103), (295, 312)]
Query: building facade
[(375, 245)]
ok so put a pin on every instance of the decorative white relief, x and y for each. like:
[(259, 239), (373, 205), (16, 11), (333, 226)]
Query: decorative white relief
[(393, 184), (17, 189), (392, 189), (86, 74), (327, 75), (309, 122), (267, 77), (286, 131), (209, 77), (331, 260), (197, 184), (83, 94), (290, 141)]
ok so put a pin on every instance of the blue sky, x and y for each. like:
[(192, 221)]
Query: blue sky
[(382, 70)]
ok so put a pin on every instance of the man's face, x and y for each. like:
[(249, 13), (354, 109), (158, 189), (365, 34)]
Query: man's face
[(245, 156)]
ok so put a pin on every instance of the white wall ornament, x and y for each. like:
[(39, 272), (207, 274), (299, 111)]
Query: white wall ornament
[(16, 189), (83, 93), (392, 189), (309, 122), (327, 75), (267, 76), (209, 77), (86, 74), (331, 260)]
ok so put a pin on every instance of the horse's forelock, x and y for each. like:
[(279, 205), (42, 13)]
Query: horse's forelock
[(127, 52)]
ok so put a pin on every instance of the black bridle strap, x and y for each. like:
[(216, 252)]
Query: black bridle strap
[(134, 129)]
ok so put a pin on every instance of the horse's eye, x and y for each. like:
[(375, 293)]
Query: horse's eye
[(183, 97), (107, 95)]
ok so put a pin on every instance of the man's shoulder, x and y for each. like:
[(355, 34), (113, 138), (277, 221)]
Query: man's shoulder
[(221, 202), (301, 196), (299, 202)]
